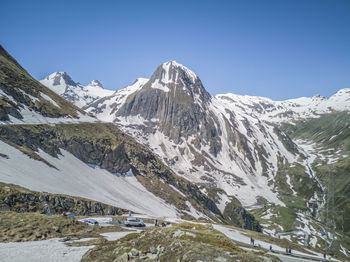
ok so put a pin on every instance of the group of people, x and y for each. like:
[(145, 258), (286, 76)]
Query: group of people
[(252, 242), (156, 223), (288, 251)]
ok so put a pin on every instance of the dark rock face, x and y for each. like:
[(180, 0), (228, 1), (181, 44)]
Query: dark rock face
[(114, 160), (50, 204), (63, 78), (181, 107), (239, 216)]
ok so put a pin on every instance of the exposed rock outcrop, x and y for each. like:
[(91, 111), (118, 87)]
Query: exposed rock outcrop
[(22, 200)]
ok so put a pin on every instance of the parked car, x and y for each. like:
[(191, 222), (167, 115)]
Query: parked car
[(134, 221), (90, 221)]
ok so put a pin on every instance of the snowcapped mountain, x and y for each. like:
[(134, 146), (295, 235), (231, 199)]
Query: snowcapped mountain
[(201, 137), (62, 84), (291, 109)]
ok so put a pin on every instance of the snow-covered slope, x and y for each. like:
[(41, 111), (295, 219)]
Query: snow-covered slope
[(288, 110), (114, 101), (62, 84), (74, 177)]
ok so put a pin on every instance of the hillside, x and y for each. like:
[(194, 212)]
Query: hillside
[(25, 100)]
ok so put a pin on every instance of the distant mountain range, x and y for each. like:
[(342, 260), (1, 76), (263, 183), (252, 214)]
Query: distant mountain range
[(62, 84)]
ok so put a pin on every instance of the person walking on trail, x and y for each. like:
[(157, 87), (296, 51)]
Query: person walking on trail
[(130, 213), (290, 251), (252, 241), (156, 223), (270, 248)]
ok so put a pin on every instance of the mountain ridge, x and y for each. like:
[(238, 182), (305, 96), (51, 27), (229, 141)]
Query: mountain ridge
[(74, 92)]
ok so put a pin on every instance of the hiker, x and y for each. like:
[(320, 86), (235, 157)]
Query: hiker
[(156, 223), (251, 241), (324, 256), (270, 248), (290, 251)]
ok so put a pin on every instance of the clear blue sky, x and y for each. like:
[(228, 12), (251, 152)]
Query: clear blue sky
[(279, 49)]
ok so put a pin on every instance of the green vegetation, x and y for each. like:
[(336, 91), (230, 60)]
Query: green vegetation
[(283, 216), (19, 227), (340, 180), (331, 135), (329, 131), (303, 185)]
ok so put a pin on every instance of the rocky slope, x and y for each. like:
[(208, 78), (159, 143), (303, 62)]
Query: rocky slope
[(180, 242), (79, 95), (21, 200), (24, 100)]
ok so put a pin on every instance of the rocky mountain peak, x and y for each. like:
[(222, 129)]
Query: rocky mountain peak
[(177, 81), (60, 78), (318, 97), (172, 72), (95, 83), (176, 98)]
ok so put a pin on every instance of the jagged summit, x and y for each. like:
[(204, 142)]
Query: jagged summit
[(178, 82), (62, 84), (170, 66), (172, 72), (95, 83), (60, 78)]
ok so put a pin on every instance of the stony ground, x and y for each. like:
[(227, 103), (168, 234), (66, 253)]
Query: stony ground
[(181, 242)]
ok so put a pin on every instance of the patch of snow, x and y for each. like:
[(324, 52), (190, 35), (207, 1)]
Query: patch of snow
[(194, 212), (344, 250), (157, 85), (111, 236), (46, 97), (44, 250), (177, 190)]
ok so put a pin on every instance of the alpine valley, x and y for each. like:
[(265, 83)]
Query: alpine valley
[(165, 147)]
